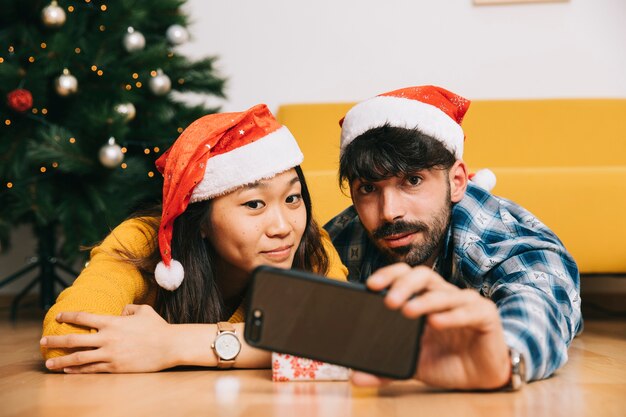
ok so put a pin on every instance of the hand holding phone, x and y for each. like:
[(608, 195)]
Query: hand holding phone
[(307, 315)]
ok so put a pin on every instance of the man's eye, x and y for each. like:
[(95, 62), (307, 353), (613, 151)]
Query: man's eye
[(254, 204), (366, 188), (414, 180), (294, 198)]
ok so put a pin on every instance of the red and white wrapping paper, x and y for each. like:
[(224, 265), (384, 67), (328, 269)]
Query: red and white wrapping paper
[(293, 368)]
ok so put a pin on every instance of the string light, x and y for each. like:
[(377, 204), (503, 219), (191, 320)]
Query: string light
[(138, 84), (135, 75), (42, 169), (87, 1), (43, 45), (70, 9), (124, 150), (153, 73), (55, 165), (124, 166), (7, 122), (11, 49), (179, 130), (102, 28), (128, 87), (44, 111), (31, 59), (9, 185), (146, 151), (100, 73), (72, 140), (34, 110), (77, 50), (181, 81), (1, 60), (103, 8), (94, 68), (156, 149), (151, 174)]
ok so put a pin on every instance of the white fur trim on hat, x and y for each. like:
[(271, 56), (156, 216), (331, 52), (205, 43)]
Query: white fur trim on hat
[(169, 277), (261, 159), (406, 113), (485, 178)]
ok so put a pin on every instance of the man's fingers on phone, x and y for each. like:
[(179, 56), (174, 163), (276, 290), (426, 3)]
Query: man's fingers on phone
[(410, 285), (384, 277)]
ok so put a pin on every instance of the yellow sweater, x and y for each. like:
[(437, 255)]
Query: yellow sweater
[(108, 283)]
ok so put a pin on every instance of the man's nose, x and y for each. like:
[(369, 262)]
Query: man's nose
[(391, 206)]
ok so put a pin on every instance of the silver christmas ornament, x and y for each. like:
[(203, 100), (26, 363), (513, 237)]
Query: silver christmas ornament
[(111, 155), (134, 40), (160, 84), (176, 35), (52, 15), (66, 84), (126, 110)]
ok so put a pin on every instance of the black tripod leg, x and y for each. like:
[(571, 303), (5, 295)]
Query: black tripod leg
[(18, 274), (66, 269), (18, 298)]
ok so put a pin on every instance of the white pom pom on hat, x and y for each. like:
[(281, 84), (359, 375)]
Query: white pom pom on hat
[(206, 161), (169, 277), (484, 178)]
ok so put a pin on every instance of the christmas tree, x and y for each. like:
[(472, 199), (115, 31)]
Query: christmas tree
[(87, 110)]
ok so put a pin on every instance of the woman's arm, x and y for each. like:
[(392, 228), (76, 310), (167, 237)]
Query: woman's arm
[(141, 341), (105, 286)]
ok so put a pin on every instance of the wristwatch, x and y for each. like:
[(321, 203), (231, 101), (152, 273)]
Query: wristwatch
[(518, 371), (226, 345)]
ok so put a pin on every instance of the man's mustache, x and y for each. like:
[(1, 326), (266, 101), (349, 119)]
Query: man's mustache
[(399, 227)]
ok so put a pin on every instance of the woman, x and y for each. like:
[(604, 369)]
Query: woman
[(234, 197)]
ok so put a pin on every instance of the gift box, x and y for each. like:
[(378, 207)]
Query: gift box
[(293, 368)]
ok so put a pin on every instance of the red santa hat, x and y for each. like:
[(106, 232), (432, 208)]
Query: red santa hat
[(432, 110), (215, 155)]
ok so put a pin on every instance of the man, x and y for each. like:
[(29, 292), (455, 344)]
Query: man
[(500, 291)]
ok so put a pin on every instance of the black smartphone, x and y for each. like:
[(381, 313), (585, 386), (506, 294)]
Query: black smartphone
[(311, 316)]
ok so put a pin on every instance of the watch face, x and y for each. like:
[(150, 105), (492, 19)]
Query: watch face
[(227, 346)]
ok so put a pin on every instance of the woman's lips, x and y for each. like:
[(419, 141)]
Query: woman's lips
[(278, 254)]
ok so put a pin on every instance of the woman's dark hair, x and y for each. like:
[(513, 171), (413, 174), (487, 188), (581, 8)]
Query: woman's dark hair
[(389, 151), (198, 299)]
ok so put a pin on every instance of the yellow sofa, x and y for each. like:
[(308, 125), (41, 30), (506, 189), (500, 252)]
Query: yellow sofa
[(563, 159)]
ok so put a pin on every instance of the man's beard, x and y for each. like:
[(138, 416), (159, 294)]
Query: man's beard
[(415, 253)]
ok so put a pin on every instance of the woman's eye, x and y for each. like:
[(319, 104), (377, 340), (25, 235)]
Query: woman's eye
[(414, 180), (254, 204), (294, 198)]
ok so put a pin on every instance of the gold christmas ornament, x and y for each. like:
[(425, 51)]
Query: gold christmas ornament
[(160, 84), (133, 40), (176, 35), (126, 110), (66, 84), (52, 15), (111, 155)]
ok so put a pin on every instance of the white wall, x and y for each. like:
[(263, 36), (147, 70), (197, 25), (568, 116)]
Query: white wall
[(285, 51)]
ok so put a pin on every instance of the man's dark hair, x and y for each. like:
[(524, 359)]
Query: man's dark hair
[(388, 151)]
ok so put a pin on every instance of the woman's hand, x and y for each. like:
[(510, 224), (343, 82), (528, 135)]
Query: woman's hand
[(463, 343), (137, 341)]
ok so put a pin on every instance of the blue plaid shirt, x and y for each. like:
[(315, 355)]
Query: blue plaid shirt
[(504, 252)]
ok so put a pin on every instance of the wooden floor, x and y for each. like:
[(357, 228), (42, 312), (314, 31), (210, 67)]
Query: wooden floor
[(593, 383)]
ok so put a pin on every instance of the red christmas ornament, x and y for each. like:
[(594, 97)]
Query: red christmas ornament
[(20, 100)]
